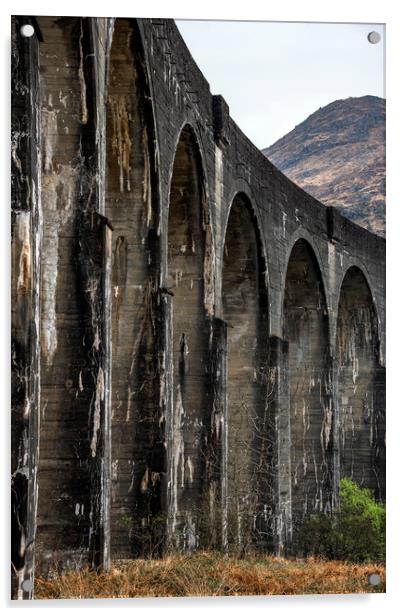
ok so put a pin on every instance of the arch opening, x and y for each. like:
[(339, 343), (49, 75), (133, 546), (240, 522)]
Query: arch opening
[(305, 327), (361, 387), (245, 311), (137, 444), (189, 335)]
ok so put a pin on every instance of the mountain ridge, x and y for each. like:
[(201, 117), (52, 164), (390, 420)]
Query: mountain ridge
[(337, 154)]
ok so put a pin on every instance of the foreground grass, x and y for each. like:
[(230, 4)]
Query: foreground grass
[(209, 574)]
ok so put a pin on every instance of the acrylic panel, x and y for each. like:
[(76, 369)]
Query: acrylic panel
[(198, 308)]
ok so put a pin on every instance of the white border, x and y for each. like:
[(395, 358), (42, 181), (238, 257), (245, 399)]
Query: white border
[(380, 11)]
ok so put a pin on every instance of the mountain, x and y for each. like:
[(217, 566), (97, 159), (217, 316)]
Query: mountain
[(338, 155)]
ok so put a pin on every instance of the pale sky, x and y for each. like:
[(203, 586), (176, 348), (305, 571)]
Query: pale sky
[(274, 75)]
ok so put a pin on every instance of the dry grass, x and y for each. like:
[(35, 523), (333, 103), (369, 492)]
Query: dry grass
[(211, 574)]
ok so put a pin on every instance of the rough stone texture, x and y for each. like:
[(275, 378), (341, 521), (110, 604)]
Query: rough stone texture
[(194, 367)]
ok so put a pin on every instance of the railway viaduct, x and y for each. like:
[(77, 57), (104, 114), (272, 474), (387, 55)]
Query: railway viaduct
[(197, 344)]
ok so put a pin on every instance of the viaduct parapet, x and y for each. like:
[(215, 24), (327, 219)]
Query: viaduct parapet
[(197, 344)]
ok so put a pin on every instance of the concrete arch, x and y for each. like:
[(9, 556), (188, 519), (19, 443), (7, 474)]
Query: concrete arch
[(306, 330), (240, 186), (188, 124), (209, 248), (149, 86), (245, 312), (360, 384), (186, 281), (131, 198), (357, 263), (303, 234)]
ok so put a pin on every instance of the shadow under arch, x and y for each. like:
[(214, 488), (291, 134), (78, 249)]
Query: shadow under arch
[(245, 313), (131, 199), (361, 385), (306, 329), (303, 235), (188, 242)]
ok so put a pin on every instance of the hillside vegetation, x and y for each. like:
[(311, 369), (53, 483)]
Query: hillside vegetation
[(338, 155)]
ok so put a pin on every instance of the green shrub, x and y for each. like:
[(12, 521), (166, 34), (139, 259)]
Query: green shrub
[(356, 533)]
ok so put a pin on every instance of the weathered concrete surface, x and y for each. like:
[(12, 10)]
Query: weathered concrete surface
[(212, 338), (71, 327), (130, 203), (245, 311), (360, 385), (305, 326), (25, 250)]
